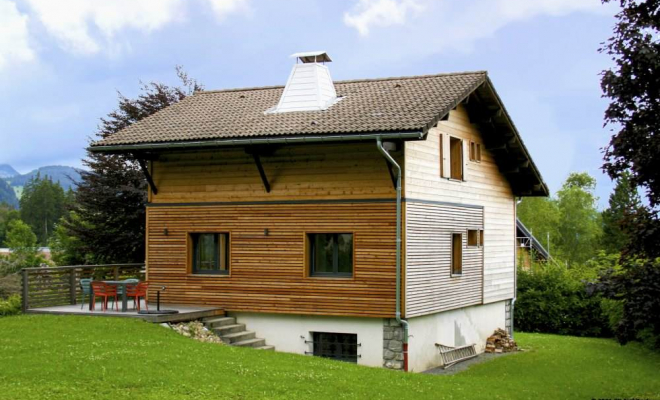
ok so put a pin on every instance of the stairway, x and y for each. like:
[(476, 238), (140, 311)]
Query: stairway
[(235, 334)]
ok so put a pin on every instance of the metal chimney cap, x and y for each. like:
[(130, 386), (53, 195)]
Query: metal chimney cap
[(312, 56)]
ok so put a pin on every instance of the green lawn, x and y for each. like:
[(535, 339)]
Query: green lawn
[(52, 357)]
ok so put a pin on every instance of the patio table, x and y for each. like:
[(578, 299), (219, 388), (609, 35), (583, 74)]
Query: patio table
[(124, 298)]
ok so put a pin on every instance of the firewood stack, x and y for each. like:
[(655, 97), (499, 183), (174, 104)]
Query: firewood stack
[(500, 342)]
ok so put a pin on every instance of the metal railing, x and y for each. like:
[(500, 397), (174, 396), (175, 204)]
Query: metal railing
[(56, 286)]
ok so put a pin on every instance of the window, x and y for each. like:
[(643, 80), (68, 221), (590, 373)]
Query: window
[(473, 238), (475, 151), (456, 158), (456, 254), (210, 253), (481, 237), (331, 254), (338, 346)]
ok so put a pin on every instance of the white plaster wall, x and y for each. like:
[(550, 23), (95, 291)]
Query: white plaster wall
[(451, 328), (288, 333)]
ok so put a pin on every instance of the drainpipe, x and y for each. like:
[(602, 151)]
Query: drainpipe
[(403, 322)]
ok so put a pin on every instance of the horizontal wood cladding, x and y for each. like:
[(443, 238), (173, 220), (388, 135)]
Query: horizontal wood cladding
[(430, 287), (294, 172), (483, 185), (267, 272)]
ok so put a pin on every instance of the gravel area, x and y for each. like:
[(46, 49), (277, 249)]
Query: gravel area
[(462, 366)]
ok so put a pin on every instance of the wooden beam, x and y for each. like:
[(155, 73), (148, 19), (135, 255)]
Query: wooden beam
[(145, 171), (262, 173)]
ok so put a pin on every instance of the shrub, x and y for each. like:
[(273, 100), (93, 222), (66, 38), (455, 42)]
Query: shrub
[(552, 299), (11, 306), (9, 285)]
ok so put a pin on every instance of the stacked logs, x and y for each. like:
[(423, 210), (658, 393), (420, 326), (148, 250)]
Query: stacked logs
[(500, 342)]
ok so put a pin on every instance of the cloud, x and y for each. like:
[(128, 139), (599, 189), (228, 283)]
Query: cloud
[(382, 13), (14, 37), (222, 8), (446, 24)]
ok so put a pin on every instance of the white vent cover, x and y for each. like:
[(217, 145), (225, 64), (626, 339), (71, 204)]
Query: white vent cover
[(309, 87)]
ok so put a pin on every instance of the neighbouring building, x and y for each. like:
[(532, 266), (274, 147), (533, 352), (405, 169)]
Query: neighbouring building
[(284, 205)]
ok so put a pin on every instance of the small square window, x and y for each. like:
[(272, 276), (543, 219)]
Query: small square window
[(473, 238), (337, 346), (331, 254), (475, 151), (210, 253), (456, 254)]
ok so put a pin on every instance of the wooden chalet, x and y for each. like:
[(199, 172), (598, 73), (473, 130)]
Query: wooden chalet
[(365, 220)]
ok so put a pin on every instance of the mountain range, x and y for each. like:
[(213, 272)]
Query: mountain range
[(12, 182)]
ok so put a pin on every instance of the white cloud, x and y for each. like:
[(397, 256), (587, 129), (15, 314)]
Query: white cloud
[(84, 26), (14, 43), (381, 13), (222, 8)]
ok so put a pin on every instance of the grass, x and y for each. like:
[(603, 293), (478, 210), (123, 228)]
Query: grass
[(69, 357)]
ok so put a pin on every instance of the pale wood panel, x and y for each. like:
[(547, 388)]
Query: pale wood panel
[(295, 172), (268, 273), (484, 186), (430, 287)]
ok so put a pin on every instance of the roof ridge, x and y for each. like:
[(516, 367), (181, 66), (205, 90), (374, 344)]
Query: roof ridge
[(389, 78)]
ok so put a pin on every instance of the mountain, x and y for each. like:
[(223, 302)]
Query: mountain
[(7, 194), (6, 171), (67, 177)]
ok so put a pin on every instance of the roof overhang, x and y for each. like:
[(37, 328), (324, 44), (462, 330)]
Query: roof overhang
[(256, 141)]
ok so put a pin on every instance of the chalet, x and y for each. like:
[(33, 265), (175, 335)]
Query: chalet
[(368, 220)]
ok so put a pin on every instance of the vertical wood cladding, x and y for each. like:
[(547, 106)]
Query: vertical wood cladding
[(430, 287), (268, 272)]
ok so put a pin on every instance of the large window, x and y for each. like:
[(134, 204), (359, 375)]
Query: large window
[(331, 254), (210, 253), (456, 254), (338, 346)]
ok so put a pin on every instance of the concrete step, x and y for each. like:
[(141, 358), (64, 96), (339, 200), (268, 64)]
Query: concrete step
[(226, 329), (271, 348), (232, 338), (215, 322), (250, 343)]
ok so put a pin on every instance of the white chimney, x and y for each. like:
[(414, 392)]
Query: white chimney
[(309, 87)]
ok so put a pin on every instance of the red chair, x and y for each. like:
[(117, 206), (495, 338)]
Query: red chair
[(105, 291), (137, 291)]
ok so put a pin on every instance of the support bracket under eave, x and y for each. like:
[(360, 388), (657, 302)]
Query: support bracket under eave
[(262, 173), (145, 171)]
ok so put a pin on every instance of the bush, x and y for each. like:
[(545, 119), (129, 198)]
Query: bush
[(553, 299), (11, 306), (9, 285)]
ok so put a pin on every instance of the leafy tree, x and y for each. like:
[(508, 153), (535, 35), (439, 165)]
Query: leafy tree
[(579, 226), (66, 249), (23, 244), (624, 202), (633, 87), (42, 204), (541, 216), (110, 201), (7, 214)]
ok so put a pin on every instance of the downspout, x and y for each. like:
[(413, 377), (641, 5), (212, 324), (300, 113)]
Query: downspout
[(403, 322)]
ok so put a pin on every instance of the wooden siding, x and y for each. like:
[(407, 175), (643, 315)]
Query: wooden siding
[(268, 272), (430, 287), (295, 172), (483, 185)]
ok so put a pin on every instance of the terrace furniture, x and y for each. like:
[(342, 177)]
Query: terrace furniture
[(130, 281), (106, 291), (137, 291), (85, 290), (121, 285)]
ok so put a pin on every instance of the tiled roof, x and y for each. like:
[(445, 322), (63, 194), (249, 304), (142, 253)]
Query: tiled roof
[(375, 105)]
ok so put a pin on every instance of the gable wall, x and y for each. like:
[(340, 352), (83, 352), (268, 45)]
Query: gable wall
[(484, 187)]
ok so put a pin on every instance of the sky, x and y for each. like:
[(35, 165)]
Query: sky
[(63, 62)]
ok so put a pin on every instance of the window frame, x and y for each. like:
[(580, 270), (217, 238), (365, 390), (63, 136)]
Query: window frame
[(320, 340), (193, 251), (310, 259), (475, 151), (452, 265), (460, 163)]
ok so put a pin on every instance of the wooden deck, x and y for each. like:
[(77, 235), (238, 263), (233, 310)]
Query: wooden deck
[(186, 312)]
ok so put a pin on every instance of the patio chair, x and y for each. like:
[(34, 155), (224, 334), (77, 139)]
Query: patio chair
[(85, 290), (131, 281), (137, 291), (105, 291)]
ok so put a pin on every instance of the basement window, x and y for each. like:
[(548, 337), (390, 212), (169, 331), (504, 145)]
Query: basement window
[(210, 253), (475, 151), (456, 254), (331, 254), (456, 158), (337, 346)]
